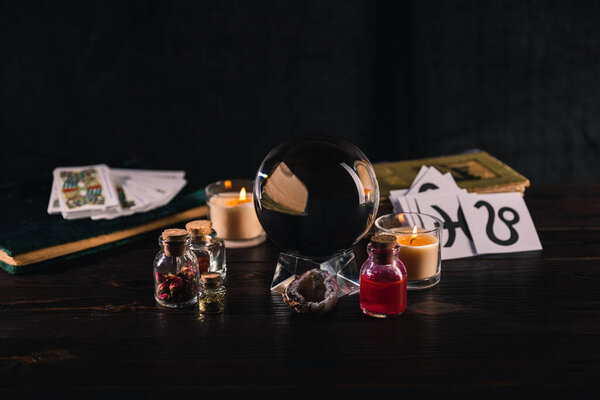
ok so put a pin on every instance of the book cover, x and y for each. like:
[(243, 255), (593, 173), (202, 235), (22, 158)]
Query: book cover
[(30, 237), (477, 172)]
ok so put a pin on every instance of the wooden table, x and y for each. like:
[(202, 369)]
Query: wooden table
[(518, 325)]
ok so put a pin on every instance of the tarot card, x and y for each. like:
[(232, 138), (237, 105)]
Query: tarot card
[(162, 179), (98, 192), (162, 192), (53, 205), (152, 196), (500, 223), (129, 200), (128, 204), (132, 173), (79, 214), (180, 185), (143, 199), (166, 183), (84, 188)]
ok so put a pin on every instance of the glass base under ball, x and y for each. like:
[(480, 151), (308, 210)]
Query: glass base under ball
[(423, 283), (243, 243), (169, 304), (342, 265)]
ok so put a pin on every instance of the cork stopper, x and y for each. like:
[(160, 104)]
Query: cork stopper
[(174, 241), (211, 279), (174, 235), (382, 242), (199, 227)]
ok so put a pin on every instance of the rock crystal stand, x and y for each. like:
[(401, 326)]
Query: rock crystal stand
[(343, 266)]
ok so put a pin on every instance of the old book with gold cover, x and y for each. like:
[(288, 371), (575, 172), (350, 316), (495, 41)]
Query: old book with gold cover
[(477, 172)]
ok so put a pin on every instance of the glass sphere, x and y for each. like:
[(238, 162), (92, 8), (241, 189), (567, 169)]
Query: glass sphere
[(316, 196)]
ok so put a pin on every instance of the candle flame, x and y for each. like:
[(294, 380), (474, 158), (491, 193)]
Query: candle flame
[(401, 218), (367, 194), (243, 194), (227, 184), (414, 235)]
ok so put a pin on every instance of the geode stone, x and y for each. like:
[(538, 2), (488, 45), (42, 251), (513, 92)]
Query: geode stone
[(314, 292)]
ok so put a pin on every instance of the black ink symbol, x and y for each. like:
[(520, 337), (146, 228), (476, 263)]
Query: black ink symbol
[(453, 225), (427, 186), (489, 228)]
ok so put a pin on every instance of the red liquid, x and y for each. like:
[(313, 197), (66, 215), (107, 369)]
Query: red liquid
[(388, 298)]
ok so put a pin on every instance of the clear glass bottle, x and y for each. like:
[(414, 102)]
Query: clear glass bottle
[(175, 270), (211, 298), (383, 279), (209, 250)]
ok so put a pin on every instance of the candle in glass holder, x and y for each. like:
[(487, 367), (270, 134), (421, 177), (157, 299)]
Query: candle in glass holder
[(233, 215), (419, 253), (419, 236)]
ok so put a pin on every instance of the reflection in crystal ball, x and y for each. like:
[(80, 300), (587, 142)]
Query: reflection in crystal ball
[(316, 196)]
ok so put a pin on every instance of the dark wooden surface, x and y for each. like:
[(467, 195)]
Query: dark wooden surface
[(507, 326)]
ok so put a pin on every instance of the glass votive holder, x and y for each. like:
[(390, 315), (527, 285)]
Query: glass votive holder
[(419, 236), (231, 211)]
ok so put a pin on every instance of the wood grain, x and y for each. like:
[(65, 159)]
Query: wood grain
[(521, 325)]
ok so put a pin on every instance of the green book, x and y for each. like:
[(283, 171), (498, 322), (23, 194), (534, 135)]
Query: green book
[(477, 172), (31, 238)]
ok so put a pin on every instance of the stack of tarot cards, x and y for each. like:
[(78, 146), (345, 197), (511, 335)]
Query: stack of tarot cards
[(474, 224), (100, 192)]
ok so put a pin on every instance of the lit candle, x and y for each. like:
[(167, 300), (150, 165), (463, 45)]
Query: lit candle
[(419, 254), (233, 215)]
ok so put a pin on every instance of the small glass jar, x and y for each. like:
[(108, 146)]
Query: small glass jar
[(211, 298), (175, 270), (383, 279), (209, 250)]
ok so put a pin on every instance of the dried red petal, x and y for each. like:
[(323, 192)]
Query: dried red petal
[(160, 278), (163, 296), (187, 273), (163, 287), (176, 284)]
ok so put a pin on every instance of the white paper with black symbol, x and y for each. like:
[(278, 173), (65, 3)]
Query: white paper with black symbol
[(473, 223), (431, 179), (457, 241), (500, 223)]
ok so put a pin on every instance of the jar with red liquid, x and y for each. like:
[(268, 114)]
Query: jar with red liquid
[(383, 279)]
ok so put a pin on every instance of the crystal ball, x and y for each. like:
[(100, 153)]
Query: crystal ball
[(316, 196)]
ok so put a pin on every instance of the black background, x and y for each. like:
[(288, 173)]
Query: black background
[(211, 87)]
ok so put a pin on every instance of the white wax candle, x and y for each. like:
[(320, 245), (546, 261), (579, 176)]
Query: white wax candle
[(233, 217), (419, 254)]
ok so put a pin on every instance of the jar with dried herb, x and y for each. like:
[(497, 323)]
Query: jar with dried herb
[(175, 270), (209, 250), (211, 298)]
